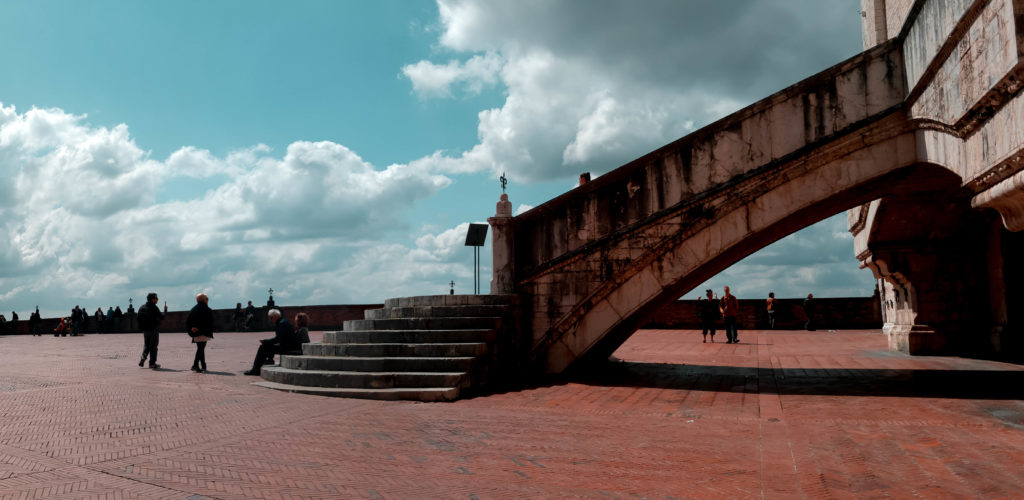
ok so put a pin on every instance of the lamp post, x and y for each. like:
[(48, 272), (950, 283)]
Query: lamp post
[(452, 291)]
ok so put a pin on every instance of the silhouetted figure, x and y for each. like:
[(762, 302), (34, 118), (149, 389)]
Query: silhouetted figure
[(129, 317), (99, 320), (118, 316), (709, 314), (809, 306), (150, 318), (33, 322), (284, 340), (238, 317), (730, 307), (250, 317), (770, 305), (77, 315), (199, 325), (3, 324), (108, 324), (14, 322)]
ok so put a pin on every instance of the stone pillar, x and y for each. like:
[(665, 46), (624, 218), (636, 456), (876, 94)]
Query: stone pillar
[(502, 248)]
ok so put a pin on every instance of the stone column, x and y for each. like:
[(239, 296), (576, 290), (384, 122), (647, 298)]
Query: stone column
[(502, 248)]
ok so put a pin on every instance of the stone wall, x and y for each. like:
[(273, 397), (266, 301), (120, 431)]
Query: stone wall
[(329, 317), (832, 314)]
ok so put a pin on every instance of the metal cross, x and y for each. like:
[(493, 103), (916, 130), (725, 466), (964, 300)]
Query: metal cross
[(504, 181), (271, 291)]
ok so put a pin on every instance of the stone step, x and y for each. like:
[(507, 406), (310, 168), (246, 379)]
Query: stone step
[(453, 300), (426, 394), (420, 336), (383, 364), (364, 380), (398, 349), (422, 323), (436, 312)]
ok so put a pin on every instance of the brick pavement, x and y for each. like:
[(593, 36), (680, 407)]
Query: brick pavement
[(781, 415)]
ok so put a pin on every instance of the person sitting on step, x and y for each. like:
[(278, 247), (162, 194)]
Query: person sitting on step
[(284, 340)]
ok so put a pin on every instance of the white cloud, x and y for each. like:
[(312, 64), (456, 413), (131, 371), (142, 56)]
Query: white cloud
[(594, 87), (83, 220), (435, 80)]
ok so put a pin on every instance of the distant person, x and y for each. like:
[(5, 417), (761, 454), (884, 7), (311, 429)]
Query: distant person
[(284, 340), (238, 317), (118, 316), (730, 307), (108, 324), (809, 306), (99, 320), (33, 322), (199, 325), (129, 317), (150, 318), (14, 322), (77, 315), (250, 317), (709, 314), (302, 328), (770, 305), (3, 324), (62, 328)]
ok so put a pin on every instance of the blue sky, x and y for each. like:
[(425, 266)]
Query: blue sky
[(336, 150)]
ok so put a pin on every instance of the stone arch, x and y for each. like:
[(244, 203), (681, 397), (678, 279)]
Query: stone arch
[(593, 328)]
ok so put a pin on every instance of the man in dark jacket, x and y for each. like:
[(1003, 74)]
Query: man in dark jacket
[(284, 341), (709, 314), (809, 311), (150, 318), (199, 325)]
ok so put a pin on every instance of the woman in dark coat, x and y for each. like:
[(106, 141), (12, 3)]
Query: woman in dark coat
[(200, 327)]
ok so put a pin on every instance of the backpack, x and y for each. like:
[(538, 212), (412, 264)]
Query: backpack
[(146, 317)]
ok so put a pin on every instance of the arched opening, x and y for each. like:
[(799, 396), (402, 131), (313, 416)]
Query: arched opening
[(943, 243)]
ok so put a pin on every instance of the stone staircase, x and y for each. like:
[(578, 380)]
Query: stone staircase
[(428, 348)]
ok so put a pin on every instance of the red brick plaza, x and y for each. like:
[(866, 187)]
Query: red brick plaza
[(780, 415)]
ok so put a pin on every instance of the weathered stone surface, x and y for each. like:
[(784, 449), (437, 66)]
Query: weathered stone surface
[(933, 107)]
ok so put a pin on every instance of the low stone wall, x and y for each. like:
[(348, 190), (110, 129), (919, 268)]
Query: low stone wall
[(329, 317), (832, 313)]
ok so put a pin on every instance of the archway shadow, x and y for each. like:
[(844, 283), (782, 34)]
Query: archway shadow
[(956, 384)]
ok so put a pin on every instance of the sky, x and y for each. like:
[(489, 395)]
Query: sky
[(336, 151)]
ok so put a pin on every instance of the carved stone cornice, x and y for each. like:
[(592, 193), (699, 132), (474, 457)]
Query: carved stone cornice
[(997, 173)]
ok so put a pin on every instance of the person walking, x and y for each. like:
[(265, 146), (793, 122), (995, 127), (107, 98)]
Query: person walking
[(730, 307), (150, 318), (33, 322), (770, 304), (709, 314), (809, 307), (200, 327)]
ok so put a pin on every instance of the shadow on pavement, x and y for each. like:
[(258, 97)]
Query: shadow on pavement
[(960, 384)]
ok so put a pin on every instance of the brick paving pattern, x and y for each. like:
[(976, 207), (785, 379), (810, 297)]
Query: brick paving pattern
[(780, 415)]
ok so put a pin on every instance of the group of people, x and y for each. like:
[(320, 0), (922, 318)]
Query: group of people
[(75, 324), (712, 309), (200, 326)]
